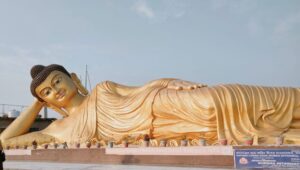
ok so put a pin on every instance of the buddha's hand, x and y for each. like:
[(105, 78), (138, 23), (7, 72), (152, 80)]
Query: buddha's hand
[(184, 85), (38, 103)]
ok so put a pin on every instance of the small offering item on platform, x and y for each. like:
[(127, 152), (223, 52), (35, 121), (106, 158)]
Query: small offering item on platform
[(98, 145), (55, 145), (279, 140), (202, 142), (110, 144), (248, 141), (88, 144), (34, 144), (125, 143), (163, 143), (223, 142)]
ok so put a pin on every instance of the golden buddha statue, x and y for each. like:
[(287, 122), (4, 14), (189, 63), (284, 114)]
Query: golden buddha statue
[(167, 109)]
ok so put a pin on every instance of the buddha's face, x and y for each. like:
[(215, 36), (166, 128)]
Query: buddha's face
[(57, 89)]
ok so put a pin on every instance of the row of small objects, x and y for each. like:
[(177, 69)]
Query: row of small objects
[(110, 144), (125, 144)]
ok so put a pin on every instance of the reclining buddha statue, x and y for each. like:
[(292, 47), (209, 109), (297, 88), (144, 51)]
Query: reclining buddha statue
[(164, 109)]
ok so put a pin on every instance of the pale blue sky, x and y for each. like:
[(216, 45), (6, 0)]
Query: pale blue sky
[(135, 41)]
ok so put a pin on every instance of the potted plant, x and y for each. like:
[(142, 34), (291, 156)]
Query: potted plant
[(55, 145), (279, 140), (223, 142), (202, 142), (65, 145), (125, 142), (98, 145), (34, 144), (184, 141), (25, 147), (88, 144), (46, 146), (248, 140), (163, 143), (77, 145), (146, 140), (110, 144)]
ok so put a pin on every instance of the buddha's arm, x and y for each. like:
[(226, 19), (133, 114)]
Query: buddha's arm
[(22, 123), (27, 139)]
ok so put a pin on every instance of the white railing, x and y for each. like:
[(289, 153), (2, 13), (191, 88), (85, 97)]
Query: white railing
[(5, 108)]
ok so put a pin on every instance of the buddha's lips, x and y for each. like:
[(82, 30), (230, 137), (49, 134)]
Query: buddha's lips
[(60, 94)]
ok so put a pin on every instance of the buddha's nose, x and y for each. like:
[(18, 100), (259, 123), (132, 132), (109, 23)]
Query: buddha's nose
[(55, 89)]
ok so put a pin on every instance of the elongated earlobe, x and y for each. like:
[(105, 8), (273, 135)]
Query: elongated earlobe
[(78, 84)]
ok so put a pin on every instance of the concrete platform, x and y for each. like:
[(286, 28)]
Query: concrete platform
[(16, 165), (191, 150), (198, 156), (169, 156), (16, 152)]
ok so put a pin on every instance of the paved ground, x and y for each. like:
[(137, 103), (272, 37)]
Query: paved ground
[(13, 165)]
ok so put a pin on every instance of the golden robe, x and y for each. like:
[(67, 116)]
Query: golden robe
[(234, 112)]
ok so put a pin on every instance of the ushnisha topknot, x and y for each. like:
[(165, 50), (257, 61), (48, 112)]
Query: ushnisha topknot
[(39, 73)]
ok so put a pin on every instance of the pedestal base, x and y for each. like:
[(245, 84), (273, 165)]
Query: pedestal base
[(201, 156), (180, 156)]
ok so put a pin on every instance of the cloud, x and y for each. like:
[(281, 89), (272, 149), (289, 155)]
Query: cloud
[(163, 11), (172, 9), (142, 8), (233, 6), (286, 34), (218, 4), (179, 14), (24, 58), (15, 57), (287, 25), (254, 27)]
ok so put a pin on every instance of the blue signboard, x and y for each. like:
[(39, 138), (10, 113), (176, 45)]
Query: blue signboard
[(267, 158)]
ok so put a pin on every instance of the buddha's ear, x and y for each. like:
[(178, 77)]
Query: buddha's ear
[(78, 84), (57, 109)]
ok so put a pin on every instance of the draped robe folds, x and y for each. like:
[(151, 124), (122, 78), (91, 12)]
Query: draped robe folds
[(234, 112)]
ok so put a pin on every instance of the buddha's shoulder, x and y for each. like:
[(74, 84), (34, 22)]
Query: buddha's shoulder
[(161, 81), (105, 83)]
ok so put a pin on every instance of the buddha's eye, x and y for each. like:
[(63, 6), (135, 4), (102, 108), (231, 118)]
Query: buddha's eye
[(57, 81), (46, 92)]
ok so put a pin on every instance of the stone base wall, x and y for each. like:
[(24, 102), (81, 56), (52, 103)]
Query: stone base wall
[(99, 156)]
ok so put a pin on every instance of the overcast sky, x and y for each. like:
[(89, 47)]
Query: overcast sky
[(131, 42)]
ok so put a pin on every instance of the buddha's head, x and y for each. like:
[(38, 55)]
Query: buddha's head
[(52, 84)]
